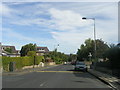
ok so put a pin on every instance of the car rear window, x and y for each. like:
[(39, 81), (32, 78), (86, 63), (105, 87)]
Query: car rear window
[(80, 63)]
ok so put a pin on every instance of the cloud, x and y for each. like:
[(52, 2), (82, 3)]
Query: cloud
[(72, 40), (60, 20), (66, 19), (19, 38), (64, 22), (61, 1), (25, 15), (75, 31), (4, 10)]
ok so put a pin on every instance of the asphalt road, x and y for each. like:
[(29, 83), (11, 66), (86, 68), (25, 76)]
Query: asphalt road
[(61, 76)]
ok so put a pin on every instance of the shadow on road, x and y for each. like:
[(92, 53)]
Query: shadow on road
[(80, 81), (82, 74)]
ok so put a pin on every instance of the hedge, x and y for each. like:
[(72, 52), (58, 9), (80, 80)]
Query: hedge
[(113, 54), (105, 64), (20, 61)]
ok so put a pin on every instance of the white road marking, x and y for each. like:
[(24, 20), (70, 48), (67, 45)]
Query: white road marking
[(42, 84), (109, 86)]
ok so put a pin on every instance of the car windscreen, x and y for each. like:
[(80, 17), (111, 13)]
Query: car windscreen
[(80, 63)]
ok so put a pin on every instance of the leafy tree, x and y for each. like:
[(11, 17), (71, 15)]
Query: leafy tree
[(88, 47), (26, 48), (57, 57), (85, 49), (9, 50), (101, 48)]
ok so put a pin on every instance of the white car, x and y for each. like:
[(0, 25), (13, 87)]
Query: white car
[(80, 66)]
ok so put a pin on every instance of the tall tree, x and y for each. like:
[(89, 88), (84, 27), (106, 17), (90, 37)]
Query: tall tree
[(26, 48), (101, 47), (88, 47)]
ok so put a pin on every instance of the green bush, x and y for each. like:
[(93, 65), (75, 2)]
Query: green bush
[(39, 59), (20, 61)]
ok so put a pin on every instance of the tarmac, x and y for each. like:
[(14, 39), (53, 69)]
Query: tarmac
[(112, 81)]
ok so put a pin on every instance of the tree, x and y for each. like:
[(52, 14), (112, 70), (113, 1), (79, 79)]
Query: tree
[(31, 53), (85, 49), (72, 57), (101, 48), (26, 48), (57, 57), (88, 47)]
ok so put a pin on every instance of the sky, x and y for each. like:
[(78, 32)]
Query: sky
[(52, 23)]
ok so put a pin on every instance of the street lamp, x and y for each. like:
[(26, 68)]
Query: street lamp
[(94, 34), (56, 47)]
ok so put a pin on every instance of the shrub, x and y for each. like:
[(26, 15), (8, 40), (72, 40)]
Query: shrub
[(39, 59)]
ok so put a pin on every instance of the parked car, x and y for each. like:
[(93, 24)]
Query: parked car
[(80, 66)]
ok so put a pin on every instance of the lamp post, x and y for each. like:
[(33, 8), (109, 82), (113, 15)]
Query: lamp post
[(56, 47), (94, 34)]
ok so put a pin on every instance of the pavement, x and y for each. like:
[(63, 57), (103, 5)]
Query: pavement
[(29, 70), (108, 79)]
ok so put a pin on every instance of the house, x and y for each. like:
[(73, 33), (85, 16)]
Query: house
[(11, 53), (13, 50), (41, 51)]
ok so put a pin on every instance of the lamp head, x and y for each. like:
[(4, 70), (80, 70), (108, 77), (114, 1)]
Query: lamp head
[(84, 18)]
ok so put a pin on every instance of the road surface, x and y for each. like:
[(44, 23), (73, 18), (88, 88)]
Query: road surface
[(62, 76)]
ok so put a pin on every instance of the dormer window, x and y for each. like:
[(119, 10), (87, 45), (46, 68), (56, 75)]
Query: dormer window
[(41, 49)]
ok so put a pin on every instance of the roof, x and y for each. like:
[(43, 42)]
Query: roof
[(44, 48), (12, 47)]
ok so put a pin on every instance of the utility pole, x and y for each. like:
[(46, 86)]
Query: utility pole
[(34, 62)]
